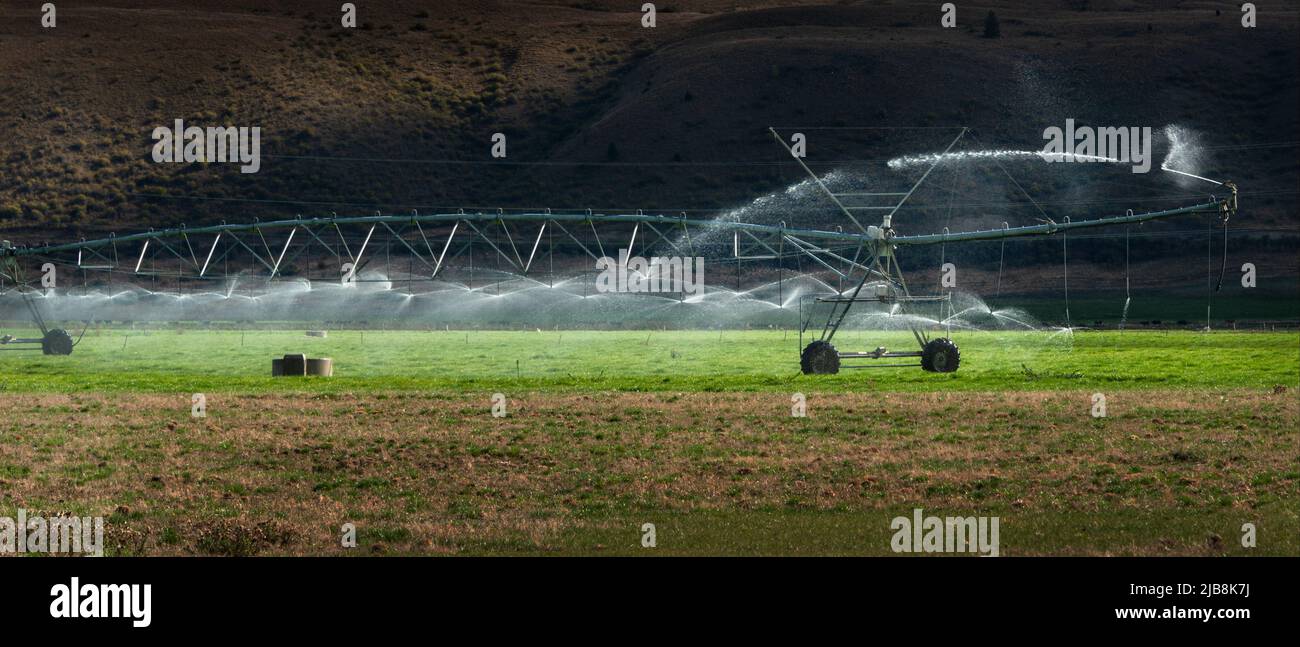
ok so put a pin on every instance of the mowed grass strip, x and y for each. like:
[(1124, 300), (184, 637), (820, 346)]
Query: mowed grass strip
[(110, 360), (1165, 472)]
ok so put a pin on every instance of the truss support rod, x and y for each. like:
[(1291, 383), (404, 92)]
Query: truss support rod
[(210, 253), (316, 237), (194, 260), (279, 260), (445, 247), (356, 262), (814, 257), (142, 252), (408, 246), (490, 243), (536, 243), (265, 245), (254, 253), (576, 241), (427, 244), (250, 250), (849, 303), (95, 252), (839, 258), (225, 253), (925, 175), (663, 238), (775, 253), (169, 248), (599, 245), (511, 239), (816, 179), (344, 241), (304, 247)]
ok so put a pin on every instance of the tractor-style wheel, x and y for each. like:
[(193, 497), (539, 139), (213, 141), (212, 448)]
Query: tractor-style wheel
[(940, 356), (820, 357), (57, 342)]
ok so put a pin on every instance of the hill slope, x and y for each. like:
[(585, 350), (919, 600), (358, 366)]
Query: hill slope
[(600, 112)]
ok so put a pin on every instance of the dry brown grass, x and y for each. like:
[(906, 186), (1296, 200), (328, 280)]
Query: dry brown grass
[(280, 474)]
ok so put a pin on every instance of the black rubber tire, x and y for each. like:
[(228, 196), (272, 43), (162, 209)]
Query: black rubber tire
[(57, 342), (940, 356), (820, 358)]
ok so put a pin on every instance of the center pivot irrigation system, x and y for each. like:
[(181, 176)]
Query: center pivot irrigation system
[(442, 247)]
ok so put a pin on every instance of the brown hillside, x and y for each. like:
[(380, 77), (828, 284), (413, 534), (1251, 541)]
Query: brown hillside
[(397, 114)]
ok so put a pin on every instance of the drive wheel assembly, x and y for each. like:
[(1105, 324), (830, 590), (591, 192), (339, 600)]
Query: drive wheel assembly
[(57, 342), (819, 357), (940, 356)]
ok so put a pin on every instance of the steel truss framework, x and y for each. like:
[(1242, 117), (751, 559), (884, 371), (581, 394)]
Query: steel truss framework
[(433, 245), (520, 243), (433, 240)]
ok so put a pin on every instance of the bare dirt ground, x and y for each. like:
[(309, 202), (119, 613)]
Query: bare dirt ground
[(437, 473)]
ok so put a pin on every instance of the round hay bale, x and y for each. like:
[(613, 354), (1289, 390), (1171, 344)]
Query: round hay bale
[(277, 368), (322, 366), (317, 333), (294, 365)]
